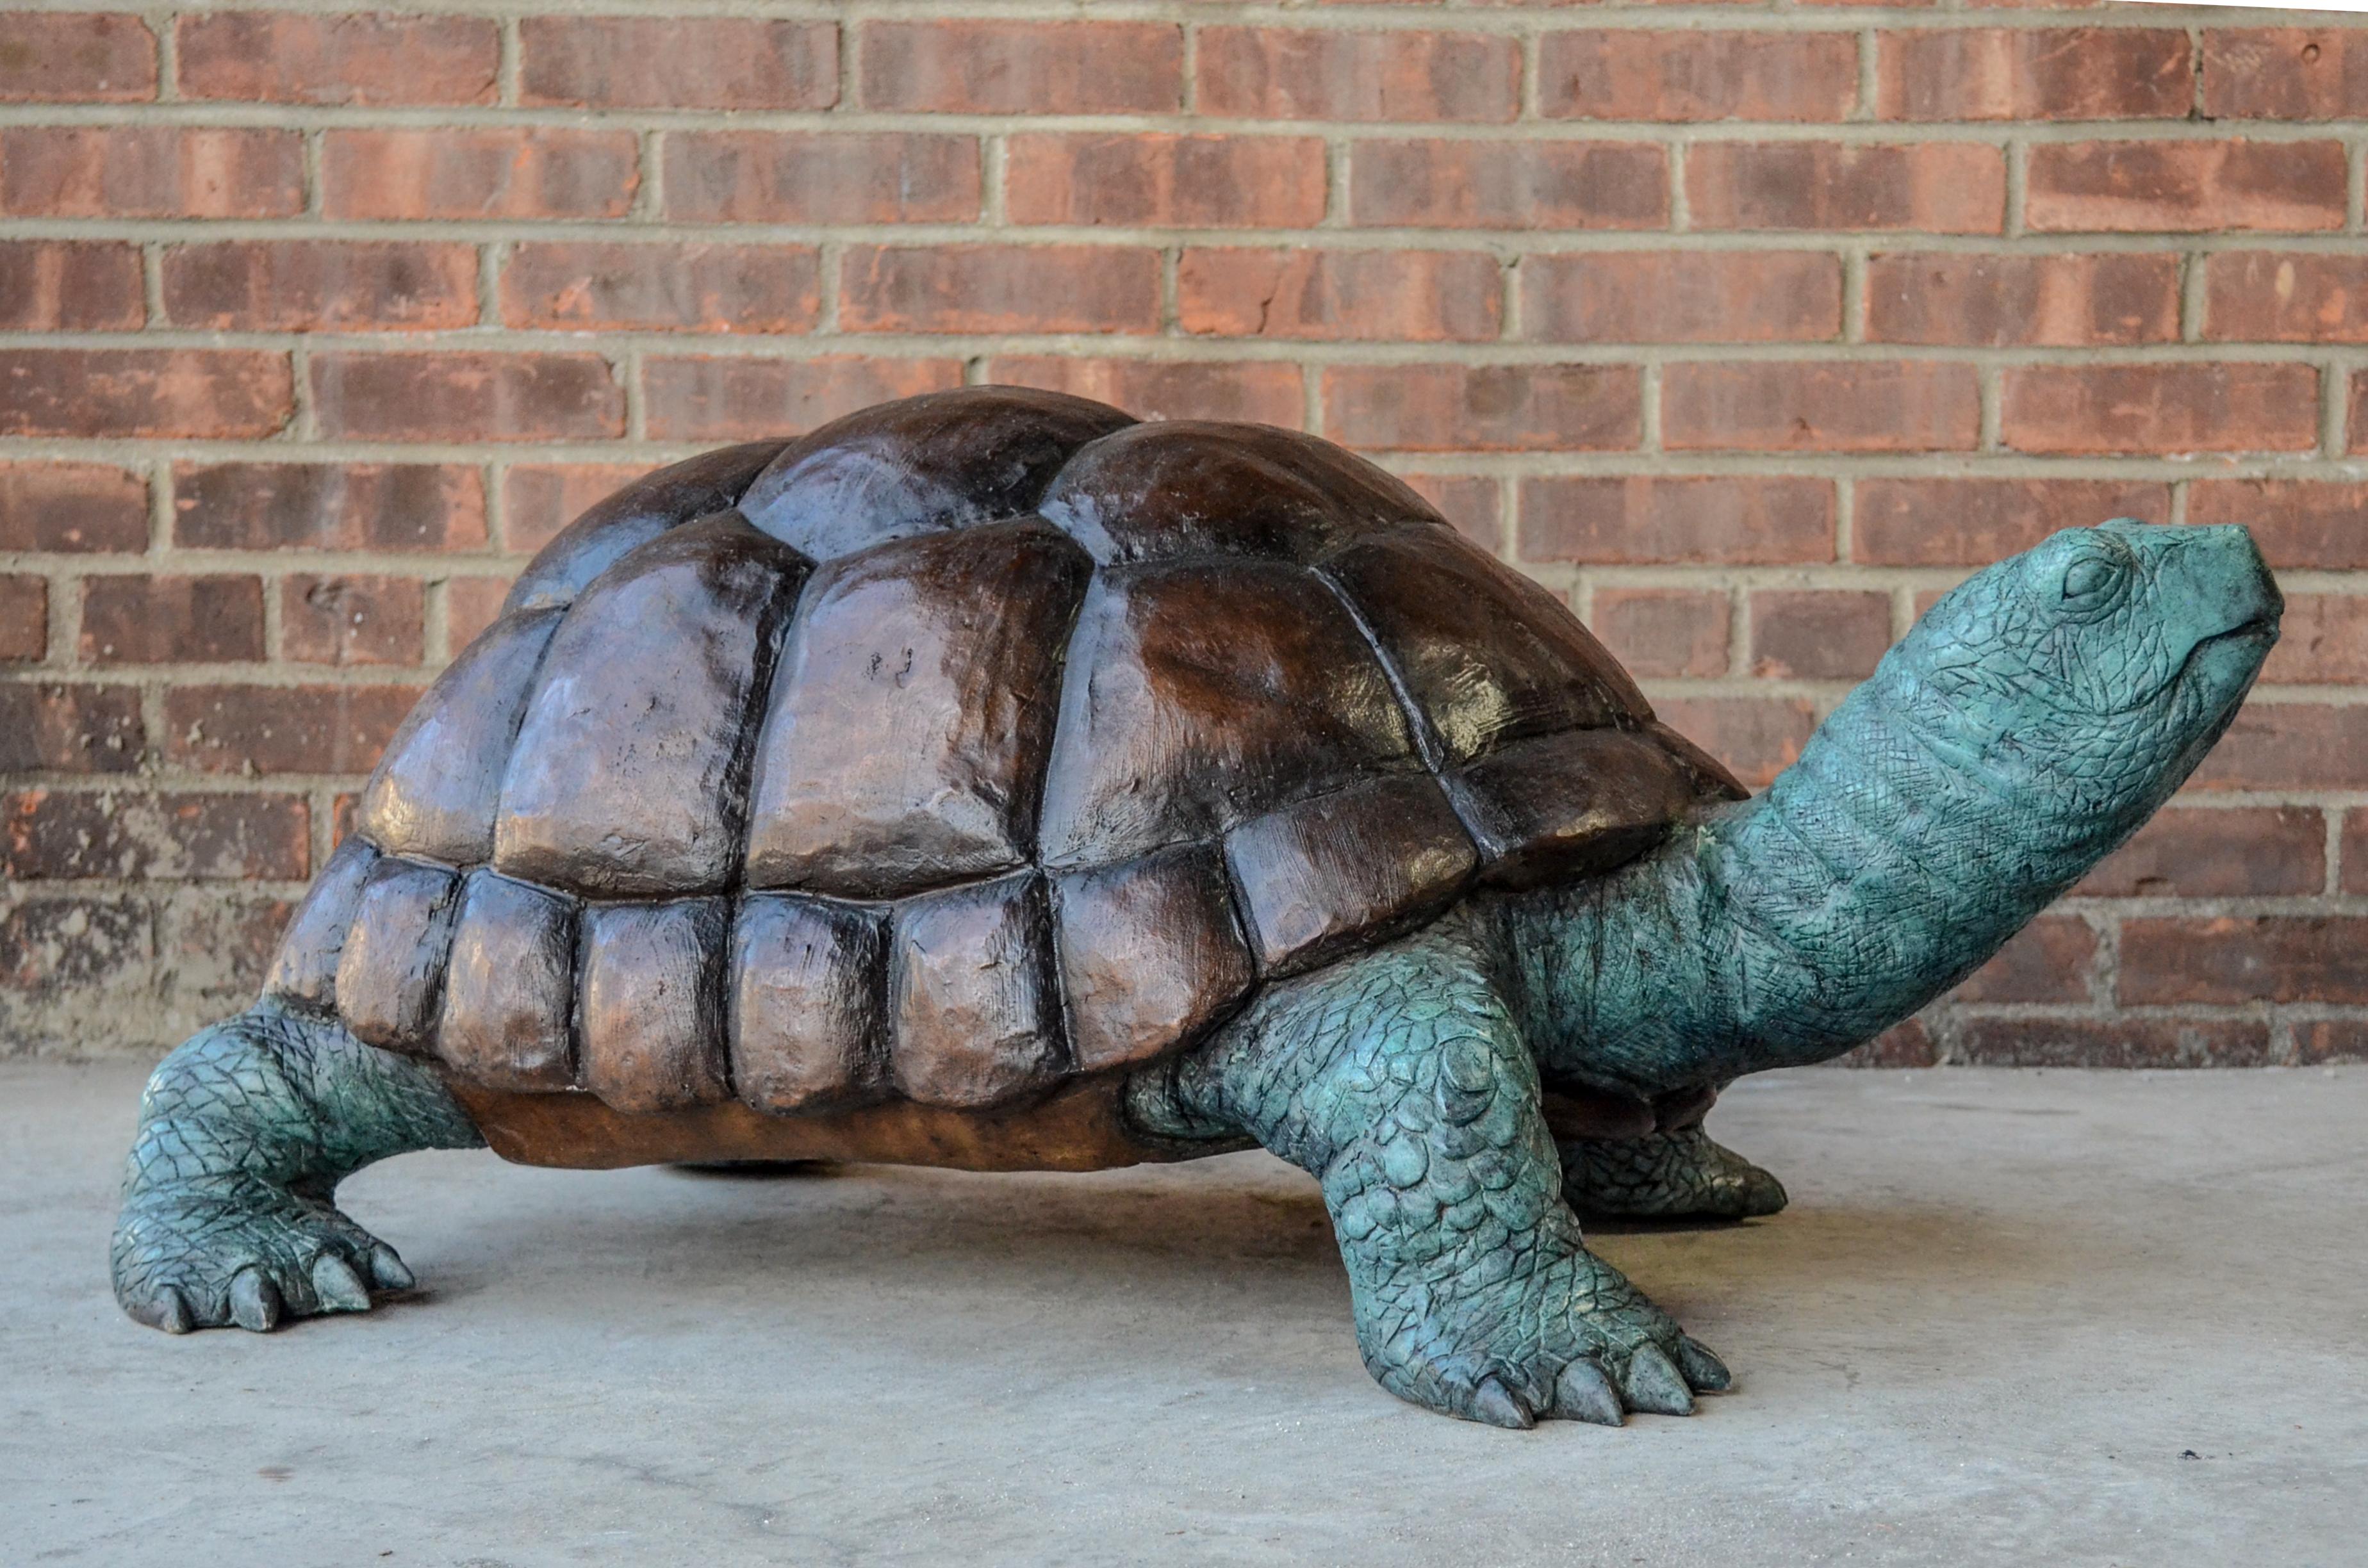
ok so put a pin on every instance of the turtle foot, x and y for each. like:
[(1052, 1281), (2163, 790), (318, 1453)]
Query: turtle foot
[(215, 1252), (1667, 1175)]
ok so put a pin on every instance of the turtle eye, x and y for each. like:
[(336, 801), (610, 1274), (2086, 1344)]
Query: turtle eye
[(2087, 582)]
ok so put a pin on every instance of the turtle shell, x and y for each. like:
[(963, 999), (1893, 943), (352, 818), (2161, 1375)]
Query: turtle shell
[(969, 748)]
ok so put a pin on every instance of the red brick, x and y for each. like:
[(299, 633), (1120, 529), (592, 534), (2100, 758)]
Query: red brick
[(65, 286), (1287, 74), (321, 286), (352, 618), (1372, 296), (1631, 74), (472, 603), (1526, 186), (1682, 297), (162, 620), (287, 57), (1941, 188), (1907, 1044), (593, 286), (69, 729), (2282, 297), (993, 288), (2160, 410), (1996, 302), (1663, 632), (1143, 177), (1972, 522), (1759, 737), (223, 393), (2318, 1041), (462, 396), (764, 177), (964, 66), (272, 505), (1468, 501), (1818, 635), (2269, 958), (2357, 413), (149, 171), (1858, 407), (748, 400), (2168, 187), (479, 172), (723, 62), (2324, 640), (72, 507), (1263, 392), (2034, 73), (2305, 523), (1485, 408), (48, 834), (282, 729), (2352, 851), (24, 617), (1713, 520), (2264, 852), (2127, 1042), (2050, 959), (2288, 745), (56, 57), (2286, 73), (540, 499)]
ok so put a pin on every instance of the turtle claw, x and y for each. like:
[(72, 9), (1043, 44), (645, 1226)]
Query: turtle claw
[(211, 1254), (1500, 1406), (255, 1303), (387, 1270), (1583, 1393), (338, 1287), (1653, 1385), (1703, 1370), (167, 1310)]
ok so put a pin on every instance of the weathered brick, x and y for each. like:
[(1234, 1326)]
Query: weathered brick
[(2034, 73), (472, 603), (53, 834), (1646, 519), (1907, 1044), (2246, 852), (75, 507), (1264, 392), (540, 499), (2286, 73), (739, 399), (594, 286), (1663, 631), (2283, 297), (1941, 188), (24, 617), (282, 729), (374, 59), (1504, 408), (1525, 186), (2050, 959), (265, 505), (1632, 73), (1419, 296), (352, 618), (69, 729), (223, 393), (1972, 522), (1290, 74), (764, 177), (1818, 633), (2351, 851), (2160, 410), (1469, 502), (2288, 745), (478, 171), (57, 57), (2227, 959), (149, 171), (2305, 523), (465, 396), (1137, 178), (2323, 639), (1682, 297), (2126, 1042), (977, 66), (321, 286), (1759, 737), (1857, 406), (2323, 1041), (2173, 186), (992, 289), (718, 62), (164, 621), (84, 956), (1996, 302), (67, 285)]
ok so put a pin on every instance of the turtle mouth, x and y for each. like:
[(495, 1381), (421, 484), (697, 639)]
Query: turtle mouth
[(2234, 656)]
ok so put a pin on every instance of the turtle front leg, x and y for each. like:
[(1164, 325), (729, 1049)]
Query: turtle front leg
[(1679, 1175), (228, 1211), (1399, 1080)]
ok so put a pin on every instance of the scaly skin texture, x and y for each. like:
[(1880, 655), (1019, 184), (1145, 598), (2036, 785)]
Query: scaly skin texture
[(1679, 1175), (229, 1203)]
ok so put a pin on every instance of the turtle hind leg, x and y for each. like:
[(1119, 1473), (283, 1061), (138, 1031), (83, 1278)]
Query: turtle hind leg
[(229, 1212), (1665, 1176)]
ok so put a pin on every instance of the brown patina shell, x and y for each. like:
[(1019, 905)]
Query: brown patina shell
[(890, 792)]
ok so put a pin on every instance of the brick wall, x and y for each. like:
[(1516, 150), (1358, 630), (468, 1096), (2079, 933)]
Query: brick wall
[(1751, 326)]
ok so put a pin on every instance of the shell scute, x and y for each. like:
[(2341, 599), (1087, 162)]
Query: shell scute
[(652, 1004), (613, 529)]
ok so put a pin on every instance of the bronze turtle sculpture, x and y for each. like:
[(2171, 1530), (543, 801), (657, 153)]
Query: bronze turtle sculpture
[(990, 779)]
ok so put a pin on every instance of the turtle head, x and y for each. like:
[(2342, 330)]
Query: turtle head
[(2090, 675)]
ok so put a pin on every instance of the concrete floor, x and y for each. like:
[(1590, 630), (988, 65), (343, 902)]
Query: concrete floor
[(2055, 1318)]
